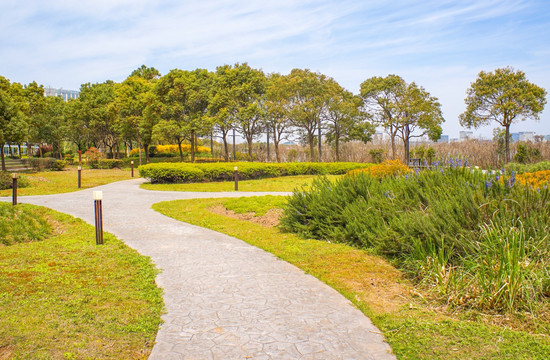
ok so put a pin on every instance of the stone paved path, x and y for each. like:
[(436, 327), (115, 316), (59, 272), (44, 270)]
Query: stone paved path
[(224, 298)]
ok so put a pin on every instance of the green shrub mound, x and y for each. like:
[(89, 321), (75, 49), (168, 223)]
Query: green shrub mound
[(47, 163), (527, 168), (6, 181), (22, 223), (476, 240), (185, 173)]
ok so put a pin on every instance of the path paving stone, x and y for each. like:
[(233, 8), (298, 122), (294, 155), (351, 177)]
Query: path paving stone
[(224, 298)]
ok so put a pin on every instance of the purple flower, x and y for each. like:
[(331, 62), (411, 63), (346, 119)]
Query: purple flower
[(488, 184), (497, 177)]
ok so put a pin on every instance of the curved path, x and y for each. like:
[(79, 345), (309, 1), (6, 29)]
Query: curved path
[(224, 298)]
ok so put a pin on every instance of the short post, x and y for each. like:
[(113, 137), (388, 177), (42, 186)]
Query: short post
[(14, 188), (79, 176), (236, 174), (98, 197), (132, 166)]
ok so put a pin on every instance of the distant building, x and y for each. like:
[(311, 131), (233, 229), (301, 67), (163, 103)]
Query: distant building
[(62, 93), (465, 135), (523, 136), (443, 139)]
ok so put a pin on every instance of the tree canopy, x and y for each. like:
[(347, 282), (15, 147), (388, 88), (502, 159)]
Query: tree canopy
[(504, 96)]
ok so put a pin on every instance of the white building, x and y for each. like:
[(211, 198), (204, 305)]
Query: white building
[(62, 93)]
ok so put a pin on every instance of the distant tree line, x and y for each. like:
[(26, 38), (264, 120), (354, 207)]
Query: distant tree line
[(182, 106)]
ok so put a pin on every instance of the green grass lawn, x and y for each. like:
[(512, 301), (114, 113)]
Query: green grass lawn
[(63, 297), (415, 326), (55, 182), (285, 183)]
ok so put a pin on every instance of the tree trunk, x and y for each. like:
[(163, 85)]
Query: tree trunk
[(249, 149), (2, 156), (507, 145), (193, 140), (139, 149), (234, 154), (311, 138), (406, 135), (337, 148), (19, 149), (320, 138), (225, 148), (181, 151), (146, 149), (267, 145)]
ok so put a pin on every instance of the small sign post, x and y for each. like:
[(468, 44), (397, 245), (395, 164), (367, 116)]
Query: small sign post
[(14, 188), (236, 174), (98, 197)]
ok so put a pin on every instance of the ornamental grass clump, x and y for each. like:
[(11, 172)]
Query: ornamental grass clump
[(474, 239)]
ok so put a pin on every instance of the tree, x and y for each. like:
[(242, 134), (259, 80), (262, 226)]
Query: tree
[(419, 111), (147, 73), (132, 97), (277, 107), (404, 110), (54, 129), (504, 96), (33, 104), (381, 97), (184, 98), (307, 99), (344, 119), (8, 112), (96, 101)]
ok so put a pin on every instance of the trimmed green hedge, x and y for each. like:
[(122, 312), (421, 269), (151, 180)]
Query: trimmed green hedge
[(185, 173), (523, 168)]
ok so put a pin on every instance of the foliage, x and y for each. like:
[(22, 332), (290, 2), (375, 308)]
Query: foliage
[(181, 173), (40, 164), (438, 225), (504, 96), (526, 154), (107, 164), (523, 168), (377, 155), (386, 169), (6, 181), (66, 298), (164, 150)]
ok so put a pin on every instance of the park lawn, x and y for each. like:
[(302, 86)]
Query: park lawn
[(55, 182), (283, 183), (64, 297), (415, 326)]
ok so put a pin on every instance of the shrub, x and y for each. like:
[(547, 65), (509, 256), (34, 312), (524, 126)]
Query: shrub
[(526, 154), (476, 240), (184, 172), (536, 180), (387, 168), (39, 164), (6, 181), (523, 168), (169, 150), (109, 164)]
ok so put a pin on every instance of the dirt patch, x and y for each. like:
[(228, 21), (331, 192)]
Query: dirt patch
[(270, 219)]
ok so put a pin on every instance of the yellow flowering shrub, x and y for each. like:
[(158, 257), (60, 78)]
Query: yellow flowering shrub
[(536, 180), (385, 169), (173, 149)]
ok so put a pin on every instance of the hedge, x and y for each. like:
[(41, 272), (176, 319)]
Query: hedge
[(185, 172)]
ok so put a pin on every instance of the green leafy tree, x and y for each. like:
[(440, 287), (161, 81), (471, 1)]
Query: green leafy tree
[(133, 122), (504, 96), (420, 115), (55, 127), (308, 97), (33, 103), (381, 99), (344, 119), (404, 110), (147, 73), (184, 99), (96, 101), (277, 107), (8, 113), (78, 129)]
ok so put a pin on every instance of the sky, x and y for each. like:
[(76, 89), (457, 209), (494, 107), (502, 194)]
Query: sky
[(440, 45)]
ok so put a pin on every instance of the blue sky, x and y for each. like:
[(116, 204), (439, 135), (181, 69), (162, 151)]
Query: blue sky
[(440, 45)]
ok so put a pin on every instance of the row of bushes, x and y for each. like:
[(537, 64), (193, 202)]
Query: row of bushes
[(170, 150), (477, 240), (184, 172), (524, 168)]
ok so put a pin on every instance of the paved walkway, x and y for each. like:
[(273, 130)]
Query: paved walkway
[(224, 298)]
